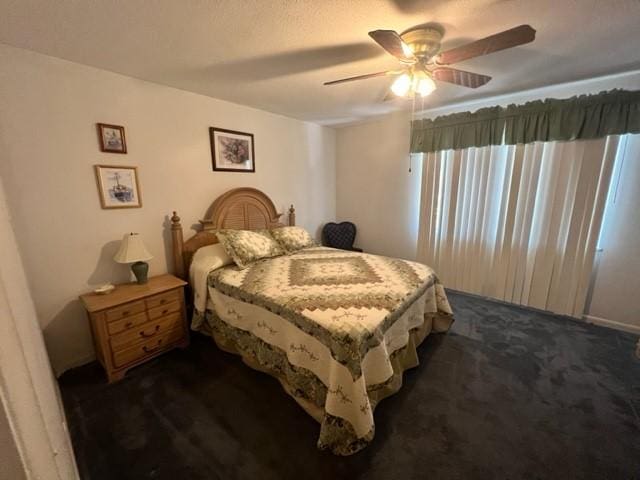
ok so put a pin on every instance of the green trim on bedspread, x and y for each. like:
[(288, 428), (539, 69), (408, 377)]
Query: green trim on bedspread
[(336, 434)]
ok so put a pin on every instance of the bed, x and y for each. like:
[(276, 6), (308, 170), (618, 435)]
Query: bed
[(336, 328)]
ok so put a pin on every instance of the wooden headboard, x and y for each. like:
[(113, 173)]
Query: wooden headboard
[(241, 209)]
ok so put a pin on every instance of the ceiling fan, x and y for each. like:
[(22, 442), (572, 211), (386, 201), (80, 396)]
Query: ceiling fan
[(418, 50)]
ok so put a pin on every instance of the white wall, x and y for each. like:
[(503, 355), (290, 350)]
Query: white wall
[(615, 298), (375, 191), (48, 142)]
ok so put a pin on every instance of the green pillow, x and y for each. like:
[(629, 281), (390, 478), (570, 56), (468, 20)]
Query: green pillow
[(293, 238), (247, 246)]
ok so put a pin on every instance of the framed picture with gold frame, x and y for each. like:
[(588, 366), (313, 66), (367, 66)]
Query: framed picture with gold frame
[(118, 186)]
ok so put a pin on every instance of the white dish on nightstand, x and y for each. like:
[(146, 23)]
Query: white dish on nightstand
[(104, 289)]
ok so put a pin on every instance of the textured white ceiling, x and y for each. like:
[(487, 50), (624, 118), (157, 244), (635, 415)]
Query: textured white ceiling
[(275, 54)]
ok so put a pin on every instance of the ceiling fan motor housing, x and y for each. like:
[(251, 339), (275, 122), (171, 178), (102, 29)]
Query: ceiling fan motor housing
[(424, 42)]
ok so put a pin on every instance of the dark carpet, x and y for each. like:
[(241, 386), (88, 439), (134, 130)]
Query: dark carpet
[(507, 393)]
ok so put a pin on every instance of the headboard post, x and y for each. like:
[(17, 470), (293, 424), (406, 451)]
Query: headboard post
[(292, 216), (176, 235)]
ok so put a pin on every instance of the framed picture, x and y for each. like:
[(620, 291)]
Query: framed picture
[(112, 138), (118, 186), (232, 151)]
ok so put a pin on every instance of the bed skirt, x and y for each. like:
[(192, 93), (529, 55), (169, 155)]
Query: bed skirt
[(336, 434)]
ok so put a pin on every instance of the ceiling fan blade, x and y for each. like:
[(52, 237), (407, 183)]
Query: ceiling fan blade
[(460, 77), (500, 41), (362, 77), (392, 43)]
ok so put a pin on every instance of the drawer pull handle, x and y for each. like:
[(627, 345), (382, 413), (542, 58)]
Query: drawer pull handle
[(163, 300), (152, 349), (166, 310), (128, 324), (125, 313), (146, 335)]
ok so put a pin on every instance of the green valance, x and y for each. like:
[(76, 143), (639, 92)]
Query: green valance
[(582, 117), (459, 130)]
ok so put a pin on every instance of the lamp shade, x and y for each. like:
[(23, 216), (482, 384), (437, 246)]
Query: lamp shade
[(132, 250)]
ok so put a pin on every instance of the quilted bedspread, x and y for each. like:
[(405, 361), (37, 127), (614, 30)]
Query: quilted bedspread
[(330, 321)]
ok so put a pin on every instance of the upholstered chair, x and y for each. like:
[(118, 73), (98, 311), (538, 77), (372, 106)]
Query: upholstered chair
[(340, 235)]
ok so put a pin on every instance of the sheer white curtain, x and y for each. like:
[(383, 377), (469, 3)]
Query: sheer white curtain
[(517, 222)]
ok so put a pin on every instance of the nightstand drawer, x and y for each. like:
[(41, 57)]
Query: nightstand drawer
[(147, 331), (148, 348), (163, 298), (126, 323), (125, 311), (163, 310)]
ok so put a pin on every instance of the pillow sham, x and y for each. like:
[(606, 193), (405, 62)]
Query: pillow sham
[(247, 246), (293, 238)]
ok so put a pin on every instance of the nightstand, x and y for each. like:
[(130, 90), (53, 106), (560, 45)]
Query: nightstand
[(136, 323)]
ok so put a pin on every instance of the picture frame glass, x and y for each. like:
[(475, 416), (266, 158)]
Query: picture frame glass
[(232, 151), (118, 187), (112, 139)]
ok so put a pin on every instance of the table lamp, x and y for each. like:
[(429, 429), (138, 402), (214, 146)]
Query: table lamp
[(133, 251)]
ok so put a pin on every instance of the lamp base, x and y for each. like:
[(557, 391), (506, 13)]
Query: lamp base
[(140, 270)]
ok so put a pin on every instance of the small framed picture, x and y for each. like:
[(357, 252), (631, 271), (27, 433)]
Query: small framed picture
[(112, 138), (232, 151), (118, 186)]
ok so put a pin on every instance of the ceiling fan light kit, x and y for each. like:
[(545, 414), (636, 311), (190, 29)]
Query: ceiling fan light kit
[(418, 51), (417, 82)]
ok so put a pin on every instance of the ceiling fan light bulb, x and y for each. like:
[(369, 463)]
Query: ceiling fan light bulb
[(425, 86), (401, 85)]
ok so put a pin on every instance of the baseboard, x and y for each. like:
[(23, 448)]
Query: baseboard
[(604, 322), (76, 363)]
